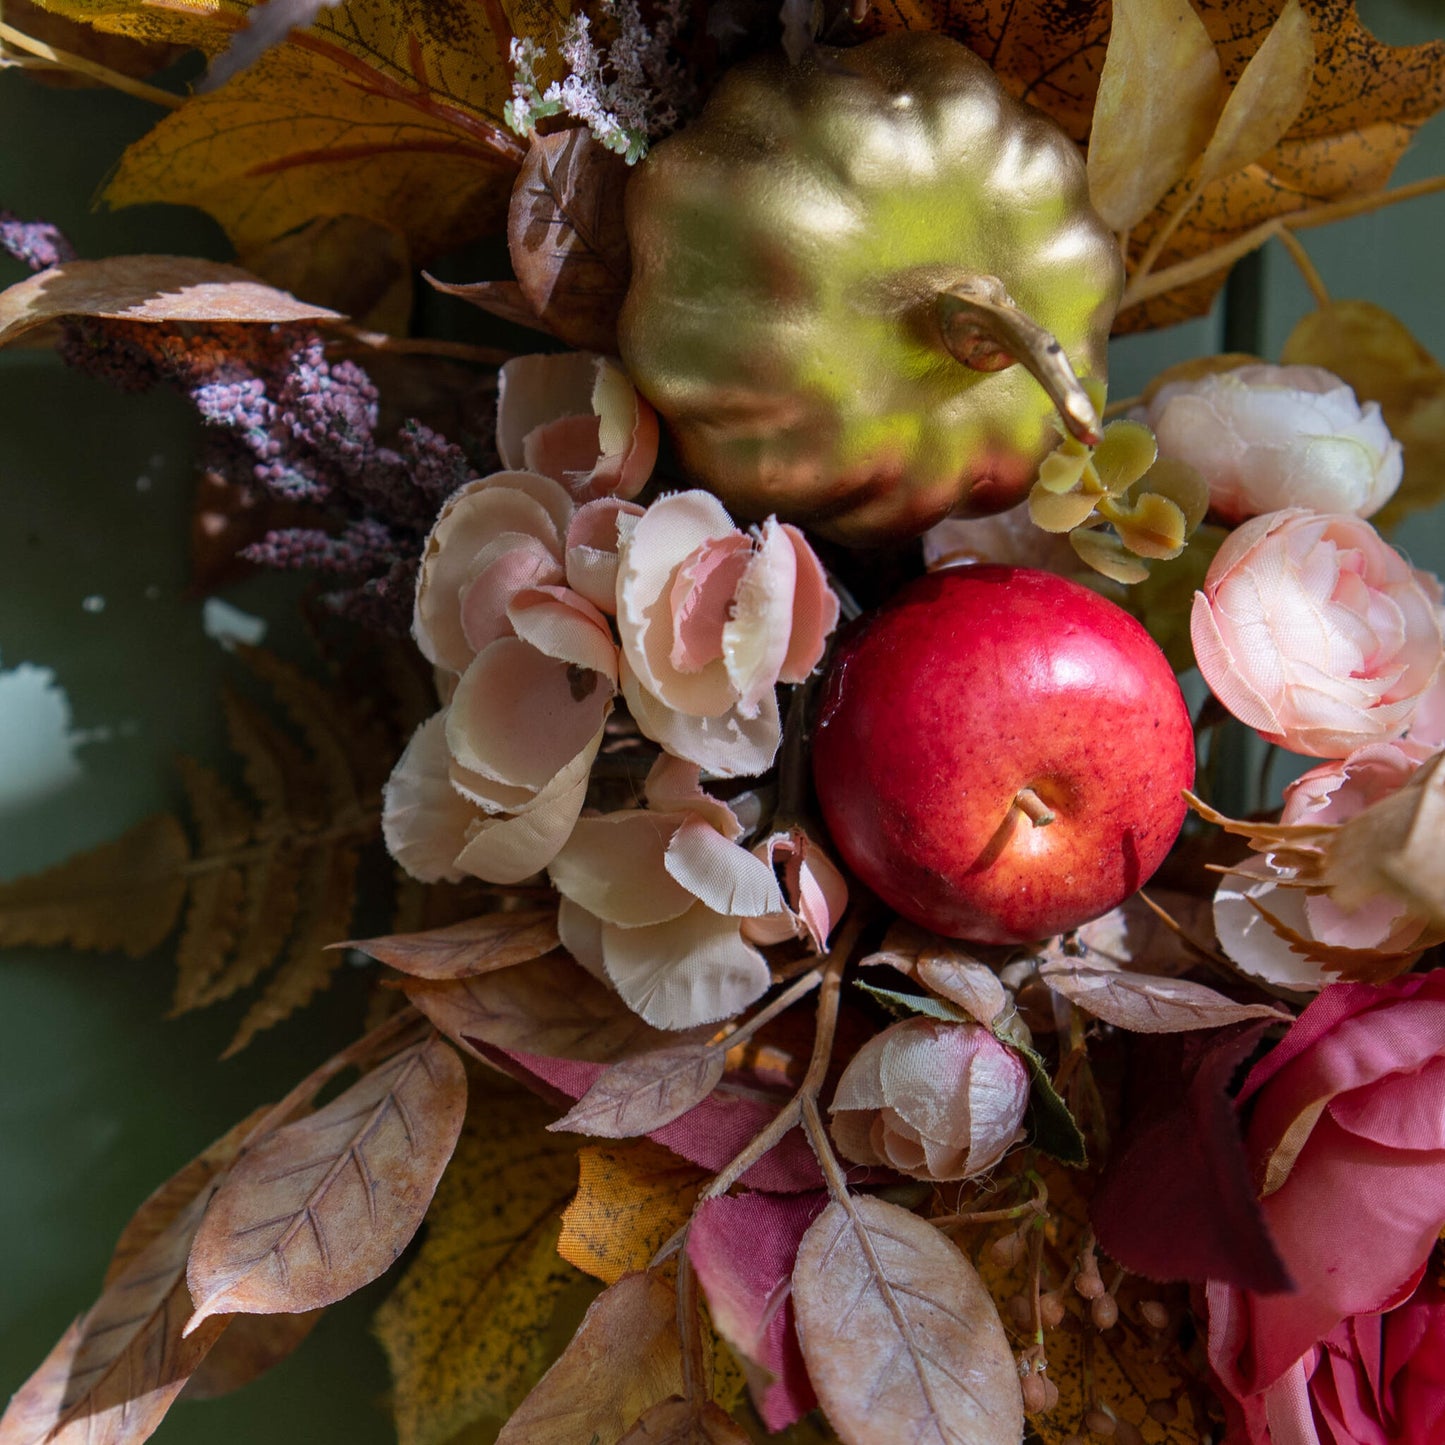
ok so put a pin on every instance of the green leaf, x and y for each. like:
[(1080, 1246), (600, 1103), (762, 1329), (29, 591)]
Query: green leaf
[(1051, 1127), (908, 1005)]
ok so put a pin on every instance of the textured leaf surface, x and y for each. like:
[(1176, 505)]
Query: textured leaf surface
[(147, 288), (623, 1360), (567, 237), (476, 945), (638, 1095), (125, 895), (677, 1421), (631, 1198), (467, 1328), (388, 112), (901, 1338), (550, 1007), (323, 1206), (1146, 1004)]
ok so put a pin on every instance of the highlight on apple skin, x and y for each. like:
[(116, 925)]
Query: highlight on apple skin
[(1000, 753)]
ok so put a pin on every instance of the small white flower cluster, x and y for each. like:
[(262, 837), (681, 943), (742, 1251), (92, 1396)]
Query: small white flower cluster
[(628, 94)]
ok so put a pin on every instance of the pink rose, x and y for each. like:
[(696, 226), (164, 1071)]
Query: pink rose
[(931, 1100), (1266, 437), (1315, 632), (1383, 924), (711, 620), (1347, 1133)]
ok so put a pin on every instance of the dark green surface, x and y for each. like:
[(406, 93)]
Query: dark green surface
[(100, 1097)]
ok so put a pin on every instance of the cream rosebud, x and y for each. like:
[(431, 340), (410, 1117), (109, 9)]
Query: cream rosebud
[(1269, 437), (931, 1100), (1316, 632)]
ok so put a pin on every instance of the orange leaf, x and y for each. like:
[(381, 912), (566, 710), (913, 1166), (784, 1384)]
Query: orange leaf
[(631, 1199), (463, 950)]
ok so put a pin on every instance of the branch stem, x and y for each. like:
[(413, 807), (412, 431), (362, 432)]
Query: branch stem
[(81, 66)]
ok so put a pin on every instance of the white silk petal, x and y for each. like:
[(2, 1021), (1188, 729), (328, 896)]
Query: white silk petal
[(1246, 937), (423, 820), (518, 716), (755, 638), (674, 785), (592, 543), (728, 746), (510, 850), (723, 875), (694, 969), (581, 935), (535, 390), (615, 867), (488, 794), (564, 625), (473, 516)]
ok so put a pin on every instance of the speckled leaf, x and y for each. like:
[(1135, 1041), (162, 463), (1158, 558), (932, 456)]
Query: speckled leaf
[(467, 1329), (623, 1360), (631, 1198), (324, 1205), (147, 288)]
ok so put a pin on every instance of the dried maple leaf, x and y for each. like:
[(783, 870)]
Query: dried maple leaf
[(1366, 102), (387, 112)]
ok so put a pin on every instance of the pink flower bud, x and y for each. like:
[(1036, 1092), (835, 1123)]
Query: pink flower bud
[(931, 1100), (1316, 632)]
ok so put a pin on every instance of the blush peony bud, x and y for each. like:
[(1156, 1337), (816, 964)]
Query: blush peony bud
[(1316, 632), (931, 1100), (1268, 437)]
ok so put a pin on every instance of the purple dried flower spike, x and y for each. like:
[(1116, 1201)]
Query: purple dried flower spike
[(36, 244)]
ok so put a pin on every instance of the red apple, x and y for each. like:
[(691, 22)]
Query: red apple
[(1000, 753)]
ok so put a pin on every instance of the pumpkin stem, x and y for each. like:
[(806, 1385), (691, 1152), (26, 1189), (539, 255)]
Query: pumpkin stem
[(987, 330)]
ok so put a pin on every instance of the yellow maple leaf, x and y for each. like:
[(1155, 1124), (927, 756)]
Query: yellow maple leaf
[(632, 1197), (391, 112), (486, 1305)]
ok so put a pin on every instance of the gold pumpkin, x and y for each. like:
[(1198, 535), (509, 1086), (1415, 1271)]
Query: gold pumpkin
[(835, 268)]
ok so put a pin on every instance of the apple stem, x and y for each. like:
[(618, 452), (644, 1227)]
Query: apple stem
[(1033, 807)]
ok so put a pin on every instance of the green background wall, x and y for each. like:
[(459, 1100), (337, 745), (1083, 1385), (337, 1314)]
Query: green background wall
[(100, 1096)]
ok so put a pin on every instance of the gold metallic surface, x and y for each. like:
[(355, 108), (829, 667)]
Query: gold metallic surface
[(790, 249)]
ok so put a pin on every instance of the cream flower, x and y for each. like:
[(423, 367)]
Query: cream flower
[(931, 1100), (711, 620), (1269, 437), (1316, 632), (657, 897), (1383, 925), (492, 785), (578, 419)]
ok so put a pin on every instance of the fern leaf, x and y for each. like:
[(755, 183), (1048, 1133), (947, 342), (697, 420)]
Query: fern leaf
[(124, 895), (313, 711), (270, 913), (210, 934), (222, 821), (290, 788), (264, 772), (328, 898)]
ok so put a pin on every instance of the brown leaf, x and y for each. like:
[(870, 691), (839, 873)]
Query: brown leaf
[(1376, 354), (638, 1095), (552, 1007), (117, 1370), (147, 288), (115, 52), (631, 1199), (1145, 1003), (251, 1345), (464, 950), (567, 237), (503, 299), (323, 1206), (901, 1338), (623, 1360), (125, 894), (1159, 96), (676, 1421)]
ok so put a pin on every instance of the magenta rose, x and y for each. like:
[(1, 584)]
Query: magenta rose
[(1347, 1135)]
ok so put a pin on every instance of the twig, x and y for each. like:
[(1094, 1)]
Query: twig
[(1307, 268), (1166, 233), (78, 63)]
